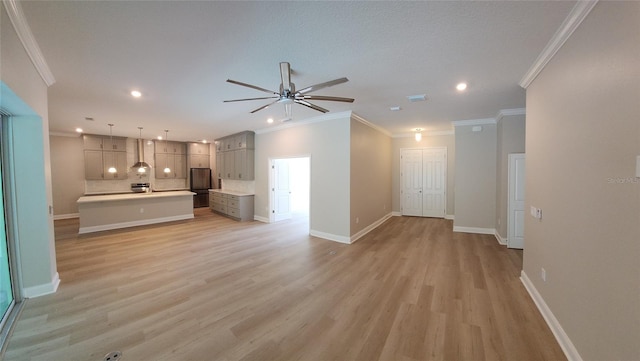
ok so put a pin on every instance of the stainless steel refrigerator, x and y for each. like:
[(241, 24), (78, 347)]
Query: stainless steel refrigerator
[(200, 185)]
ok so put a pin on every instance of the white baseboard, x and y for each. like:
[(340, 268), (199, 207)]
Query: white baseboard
[(565, 343), (143, 222), (261, 219), (449, 216), (474, 230), (44, 289), (369, 228), (396, 214), (66, 216), (502, 241), (330, 237)]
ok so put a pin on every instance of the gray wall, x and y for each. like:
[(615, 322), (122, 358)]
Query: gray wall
[(475, 182), (327, 142), (511, 139), (448, 141), (34, 224), (583, 136), (370, 176)]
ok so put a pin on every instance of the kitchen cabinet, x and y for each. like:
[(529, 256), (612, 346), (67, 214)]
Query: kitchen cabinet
[(104, 142), (172, 155), (199, 160), (229, 165), (238, 206), (199, 155), (243, 164), (117, 160), (220, 165), (175, 162), (169, 147), (101, 153), (238, 156)]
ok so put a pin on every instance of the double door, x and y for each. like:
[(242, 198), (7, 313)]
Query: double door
[(423, 178)]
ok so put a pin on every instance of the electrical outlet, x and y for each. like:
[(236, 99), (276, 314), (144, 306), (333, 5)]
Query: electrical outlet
[(357, 220), (141, 210), (543, 274)]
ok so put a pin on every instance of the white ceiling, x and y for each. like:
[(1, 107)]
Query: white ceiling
[(179, 54)]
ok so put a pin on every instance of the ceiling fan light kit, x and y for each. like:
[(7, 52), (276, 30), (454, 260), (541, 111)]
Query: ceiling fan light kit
[(288, 94)]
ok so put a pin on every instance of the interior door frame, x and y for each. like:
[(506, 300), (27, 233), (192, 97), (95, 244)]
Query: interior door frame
[(270, 161), (445, 173)]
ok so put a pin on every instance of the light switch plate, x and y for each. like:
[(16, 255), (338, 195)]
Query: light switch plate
[(638, 166)]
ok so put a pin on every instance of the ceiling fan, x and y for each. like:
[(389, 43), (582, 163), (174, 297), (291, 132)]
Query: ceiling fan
[(289, 95)]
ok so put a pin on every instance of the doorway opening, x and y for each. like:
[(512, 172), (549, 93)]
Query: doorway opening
[(289, 188)]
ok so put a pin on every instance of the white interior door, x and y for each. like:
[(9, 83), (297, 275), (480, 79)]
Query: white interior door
[(281, 190), (411, 178), (423, 178), (515, 216), (434, 163)]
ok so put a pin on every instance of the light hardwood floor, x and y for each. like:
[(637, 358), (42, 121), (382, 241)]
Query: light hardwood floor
[(215, 289)]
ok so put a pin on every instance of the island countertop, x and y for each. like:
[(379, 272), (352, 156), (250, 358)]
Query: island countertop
[(132, 196), (234, 193)]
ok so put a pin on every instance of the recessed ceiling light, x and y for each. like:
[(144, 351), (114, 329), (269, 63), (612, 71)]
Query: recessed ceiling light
[(159, 137), (270, 120), (461, 86), (395, 108), (79, 130), (136, 94), (204, 141)]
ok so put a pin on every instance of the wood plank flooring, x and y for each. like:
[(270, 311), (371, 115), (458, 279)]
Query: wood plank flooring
[(215, 289)]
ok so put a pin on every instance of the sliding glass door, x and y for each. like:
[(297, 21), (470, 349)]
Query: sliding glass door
[(7, 299)]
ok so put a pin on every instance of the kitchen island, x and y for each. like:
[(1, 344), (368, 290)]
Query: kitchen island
[(113, 211)]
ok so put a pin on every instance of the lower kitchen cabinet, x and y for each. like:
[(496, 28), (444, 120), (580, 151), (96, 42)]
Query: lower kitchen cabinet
[(233, 205)]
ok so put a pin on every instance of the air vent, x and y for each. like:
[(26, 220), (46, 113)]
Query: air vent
[(417, 98)]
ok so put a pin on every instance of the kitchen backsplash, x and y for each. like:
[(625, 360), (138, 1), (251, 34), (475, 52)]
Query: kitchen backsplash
[(239, 186)]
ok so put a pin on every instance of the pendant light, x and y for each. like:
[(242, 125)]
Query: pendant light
[(111, 169), (141, 166), (166, 160)]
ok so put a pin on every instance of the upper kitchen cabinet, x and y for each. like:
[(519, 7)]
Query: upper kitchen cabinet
[(104, 142), (198, 155), (103, 152), (170, 155), (236, 152), (169, 147)]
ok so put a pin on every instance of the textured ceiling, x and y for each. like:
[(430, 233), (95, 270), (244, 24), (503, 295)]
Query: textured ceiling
[(180, 53)]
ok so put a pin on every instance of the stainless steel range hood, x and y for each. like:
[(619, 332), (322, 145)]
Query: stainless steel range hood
[(141, 166)]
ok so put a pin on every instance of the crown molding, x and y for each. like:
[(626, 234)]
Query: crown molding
[(360, 119), (459, 123), (14, 11), (434, 133), (568, 26), (509, 112)]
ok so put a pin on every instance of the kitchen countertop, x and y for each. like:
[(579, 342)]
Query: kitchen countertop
[(233, 193), (129, 196)]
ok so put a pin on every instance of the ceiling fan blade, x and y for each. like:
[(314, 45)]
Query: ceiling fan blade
[(322, 85), (285, 75), (252, 86), (322, 97), (241, 100), (264, 106), (312, 106)]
